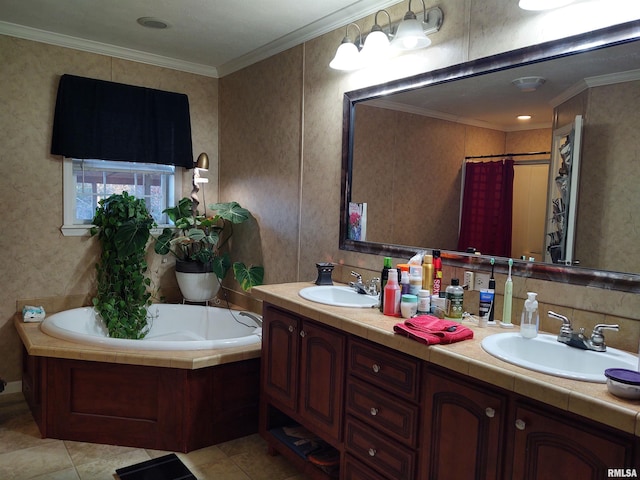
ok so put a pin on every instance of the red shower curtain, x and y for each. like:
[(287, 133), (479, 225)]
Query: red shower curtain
[(487, 206)]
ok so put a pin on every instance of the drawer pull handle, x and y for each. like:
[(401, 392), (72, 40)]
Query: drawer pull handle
[(375, 368), (520, 425), (303, 333), (372, 452), (291, 328), (374, 411), (490, 412)]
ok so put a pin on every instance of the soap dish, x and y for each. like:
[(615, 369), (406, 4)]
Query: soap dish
[(623, 383)]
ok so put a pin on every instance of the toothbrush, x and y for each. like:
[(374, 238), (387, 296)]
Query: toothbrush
[(508, 293)]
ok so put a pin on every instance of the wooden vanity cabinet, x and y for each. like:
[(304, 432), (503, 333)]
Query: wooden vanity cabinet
[(547, 445), (405, 419), (302, 377), (462, 428), (383, 411)]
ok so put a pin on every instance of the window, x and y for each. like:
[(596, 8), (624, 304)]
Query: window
[(86, 182)]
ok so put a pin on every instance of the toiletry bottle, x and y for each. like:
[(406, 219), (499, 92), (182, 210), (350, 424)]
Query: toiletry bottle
[(487, 298), (427, 272), (408, 305), (415, 279), (486, 302), (392, 294), (530, 318), (424, 302), (455, 299), (404, 282), (384, 275), (437, 272)]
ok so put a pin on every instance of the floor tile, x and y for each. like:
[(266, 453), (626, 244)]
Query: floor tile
[(105, 469), (31, 462), (82, 453), (24, 455)]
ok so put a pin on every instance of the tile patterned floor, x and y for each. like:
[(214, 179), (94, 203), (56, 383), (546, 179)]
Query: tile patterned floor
[(26, 456)]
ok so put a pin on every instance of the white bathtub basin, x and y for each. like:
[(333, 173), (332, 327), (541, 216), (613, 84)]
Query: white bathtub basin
[(338, 296), (545, 354), (173, 327)]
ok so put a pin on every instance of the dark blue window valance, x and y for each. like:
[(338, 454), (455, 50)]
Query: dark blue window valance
[(112, 121)]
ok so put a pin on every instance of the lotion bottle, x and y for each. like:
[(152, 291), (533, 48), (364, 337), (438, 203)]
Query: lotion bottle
[(530, 318)]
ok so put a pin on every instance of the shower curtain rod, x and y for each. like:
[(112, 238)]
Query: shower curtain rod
[(508, 155)]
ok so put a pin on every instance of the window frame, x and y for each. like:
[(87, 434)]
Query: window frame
[(71, 229)]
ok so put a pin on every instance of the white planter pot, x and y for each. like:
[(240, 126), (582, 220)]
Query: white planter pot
[(198, 287)]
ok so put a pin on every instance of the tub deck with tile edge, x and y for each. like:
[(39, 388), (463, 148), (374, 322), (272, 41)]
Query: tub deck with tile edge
[(40, 344), (590, 400)]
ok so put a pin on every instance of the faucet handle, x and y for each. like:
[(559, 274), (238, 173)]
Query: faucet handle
[(357, 275), (566, 328), (597, 337)]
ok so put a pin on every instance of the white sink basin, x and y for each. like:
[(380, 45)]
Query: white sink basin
[(338, 296), (545, 354)]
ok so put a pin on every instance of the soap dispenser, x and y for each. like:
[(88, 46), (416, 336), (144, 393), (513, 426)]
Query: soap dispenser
[(529, 320)]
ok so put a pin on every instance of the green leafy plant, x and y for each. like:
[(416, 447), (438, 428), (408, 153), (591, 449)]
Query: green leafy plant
[(122, 225), (200, 238)]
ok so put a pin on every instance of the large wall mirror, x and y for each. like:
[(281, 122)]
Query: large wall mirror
[(407, 143)]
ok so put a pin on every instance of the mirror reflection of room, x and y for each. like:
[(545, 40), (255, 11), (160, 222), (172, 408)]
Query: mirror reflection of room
[(410, 152)]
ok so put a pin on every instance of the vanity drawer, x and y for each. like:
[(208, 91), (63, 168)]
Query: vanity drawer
[(393, 416), (384, 368), (352, 469), (378, 451)]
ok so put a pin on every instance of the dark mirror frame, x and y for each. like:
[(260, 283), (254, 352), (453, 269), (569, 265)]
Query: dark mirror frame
[(615, 35)]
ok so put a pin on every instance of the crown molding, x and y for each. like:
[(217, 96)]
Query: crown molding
[(90, 46), (316, 29)]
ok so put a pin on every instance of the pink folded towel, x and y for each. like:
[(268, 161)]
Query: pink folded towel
[(430, 330)]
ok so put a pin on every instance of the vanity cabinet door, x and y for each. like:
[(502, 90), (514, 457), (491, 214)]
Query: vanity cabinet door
[(280, 342), (322, 378), (462, 429), (548, 446)]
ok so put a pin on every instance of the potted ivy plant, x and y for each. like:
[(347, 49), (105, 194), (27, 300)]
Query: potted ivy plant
[(198, 241), (123, 225)]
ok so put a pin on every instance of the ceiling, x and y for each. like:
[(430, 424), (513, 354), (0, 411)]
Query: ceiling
[(491, 101), (208, 37)]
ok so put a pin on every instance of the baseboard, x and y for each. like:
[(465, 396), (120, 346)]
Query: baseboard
[(12, 387)]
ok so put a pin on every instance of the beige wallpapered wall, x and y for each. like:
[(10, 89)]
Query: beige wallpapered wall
[(36, 260)]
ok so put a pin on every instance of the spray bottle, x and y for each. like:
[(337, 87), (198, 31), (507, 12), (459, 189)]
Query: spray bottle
[(530, 318), (384, 276), (508, 297)]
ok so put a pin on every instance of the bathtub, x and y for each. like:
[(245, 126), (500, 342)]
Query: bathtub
[(173, 327)]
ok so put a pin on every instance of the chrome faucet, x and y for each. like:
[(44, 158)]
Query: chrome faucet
[(578, 340), (371, 288)]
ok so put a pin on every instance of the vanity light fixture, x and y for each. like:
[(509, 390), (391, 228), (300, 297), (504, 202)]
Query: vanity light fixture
[(348, 54), (524, 117), (412, 33), (376, 45), (543, 4), (528, 84)]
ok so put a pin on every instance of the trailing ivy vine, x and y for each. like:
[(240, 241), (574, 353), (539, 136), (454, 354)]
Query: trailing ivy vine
[(123, 224)]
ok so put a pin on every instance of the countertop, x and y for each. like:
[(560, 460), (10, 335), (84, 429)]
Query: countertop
[(591, 400), (40, 344)]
